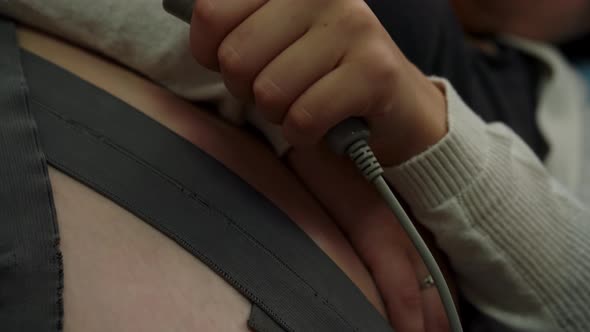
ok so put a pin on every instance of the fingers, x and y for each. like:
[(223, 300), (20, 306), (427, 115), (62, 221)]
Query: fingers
[(296, 69), (239, 39), (362, 85), (435, 318), (341, 94), (309, 65), (311, 58), (371, 228), (291, 58), (386, 250), (212, 21), (250, 47), (400, 289)]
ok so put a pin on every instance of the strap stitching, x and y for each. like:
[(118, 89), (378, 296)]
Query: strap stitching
[(179, 239), (194, 196)]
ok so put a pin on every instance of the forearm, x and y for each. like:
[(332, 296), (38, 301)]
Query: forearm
[(492, 84), (516, 239)]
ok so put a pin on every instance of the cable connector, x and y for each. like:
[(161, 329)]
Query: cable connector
[(365, 160)]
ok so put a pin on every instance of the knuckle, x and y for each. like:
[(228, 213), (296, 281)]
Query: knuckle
[(300, 120), (268, 96), (299, 127), (202, 56), (385, 65), (205, 15), (356, 17), (205, 32), (229, 61)]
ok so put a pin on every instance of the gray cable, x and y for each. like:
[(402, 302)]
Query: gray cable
[(355, 132), (368, 164)]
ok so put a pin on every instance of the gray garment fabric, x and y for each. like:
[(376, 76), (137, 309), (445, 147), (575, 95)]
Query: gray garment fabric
[(138, 34), (142, 36)]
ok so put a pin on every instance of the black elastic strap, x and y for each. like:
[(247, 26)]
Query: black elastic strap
[(195, 200), (31, 277), (259, 321)]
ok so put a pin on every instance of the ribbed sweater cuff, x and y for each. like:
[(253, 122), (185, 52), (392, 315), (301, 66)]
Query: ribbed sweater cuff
[(448, 167)]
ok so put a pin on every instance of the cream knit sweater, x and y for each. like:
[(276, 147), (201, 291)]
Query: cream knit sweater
[(517, 236)]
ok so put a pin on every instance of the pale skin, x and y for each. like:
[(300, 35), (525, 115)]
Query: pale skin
[(383, 261), (393, 265), (122, 275), (346, 65)]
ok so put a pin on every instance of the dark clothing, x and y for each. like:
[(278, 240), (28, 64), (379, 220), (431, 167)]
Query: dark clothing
[(577, 49), (500, 88)]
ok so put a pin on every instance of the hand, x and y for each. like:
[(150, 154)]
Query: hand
[(309, 64), (376, 236)]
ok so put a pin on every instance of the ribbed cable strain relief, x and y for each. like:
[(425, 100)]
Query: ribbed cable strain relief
[(365, 160)]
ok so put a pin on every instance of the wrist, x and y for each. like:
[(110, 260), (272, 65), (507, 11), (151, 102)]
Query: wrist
[(424, 125)]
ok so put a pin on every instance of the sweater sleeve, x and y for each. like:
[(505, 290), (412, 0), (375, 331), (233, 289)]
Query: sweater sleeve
[(516, 238), (138, 34)]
